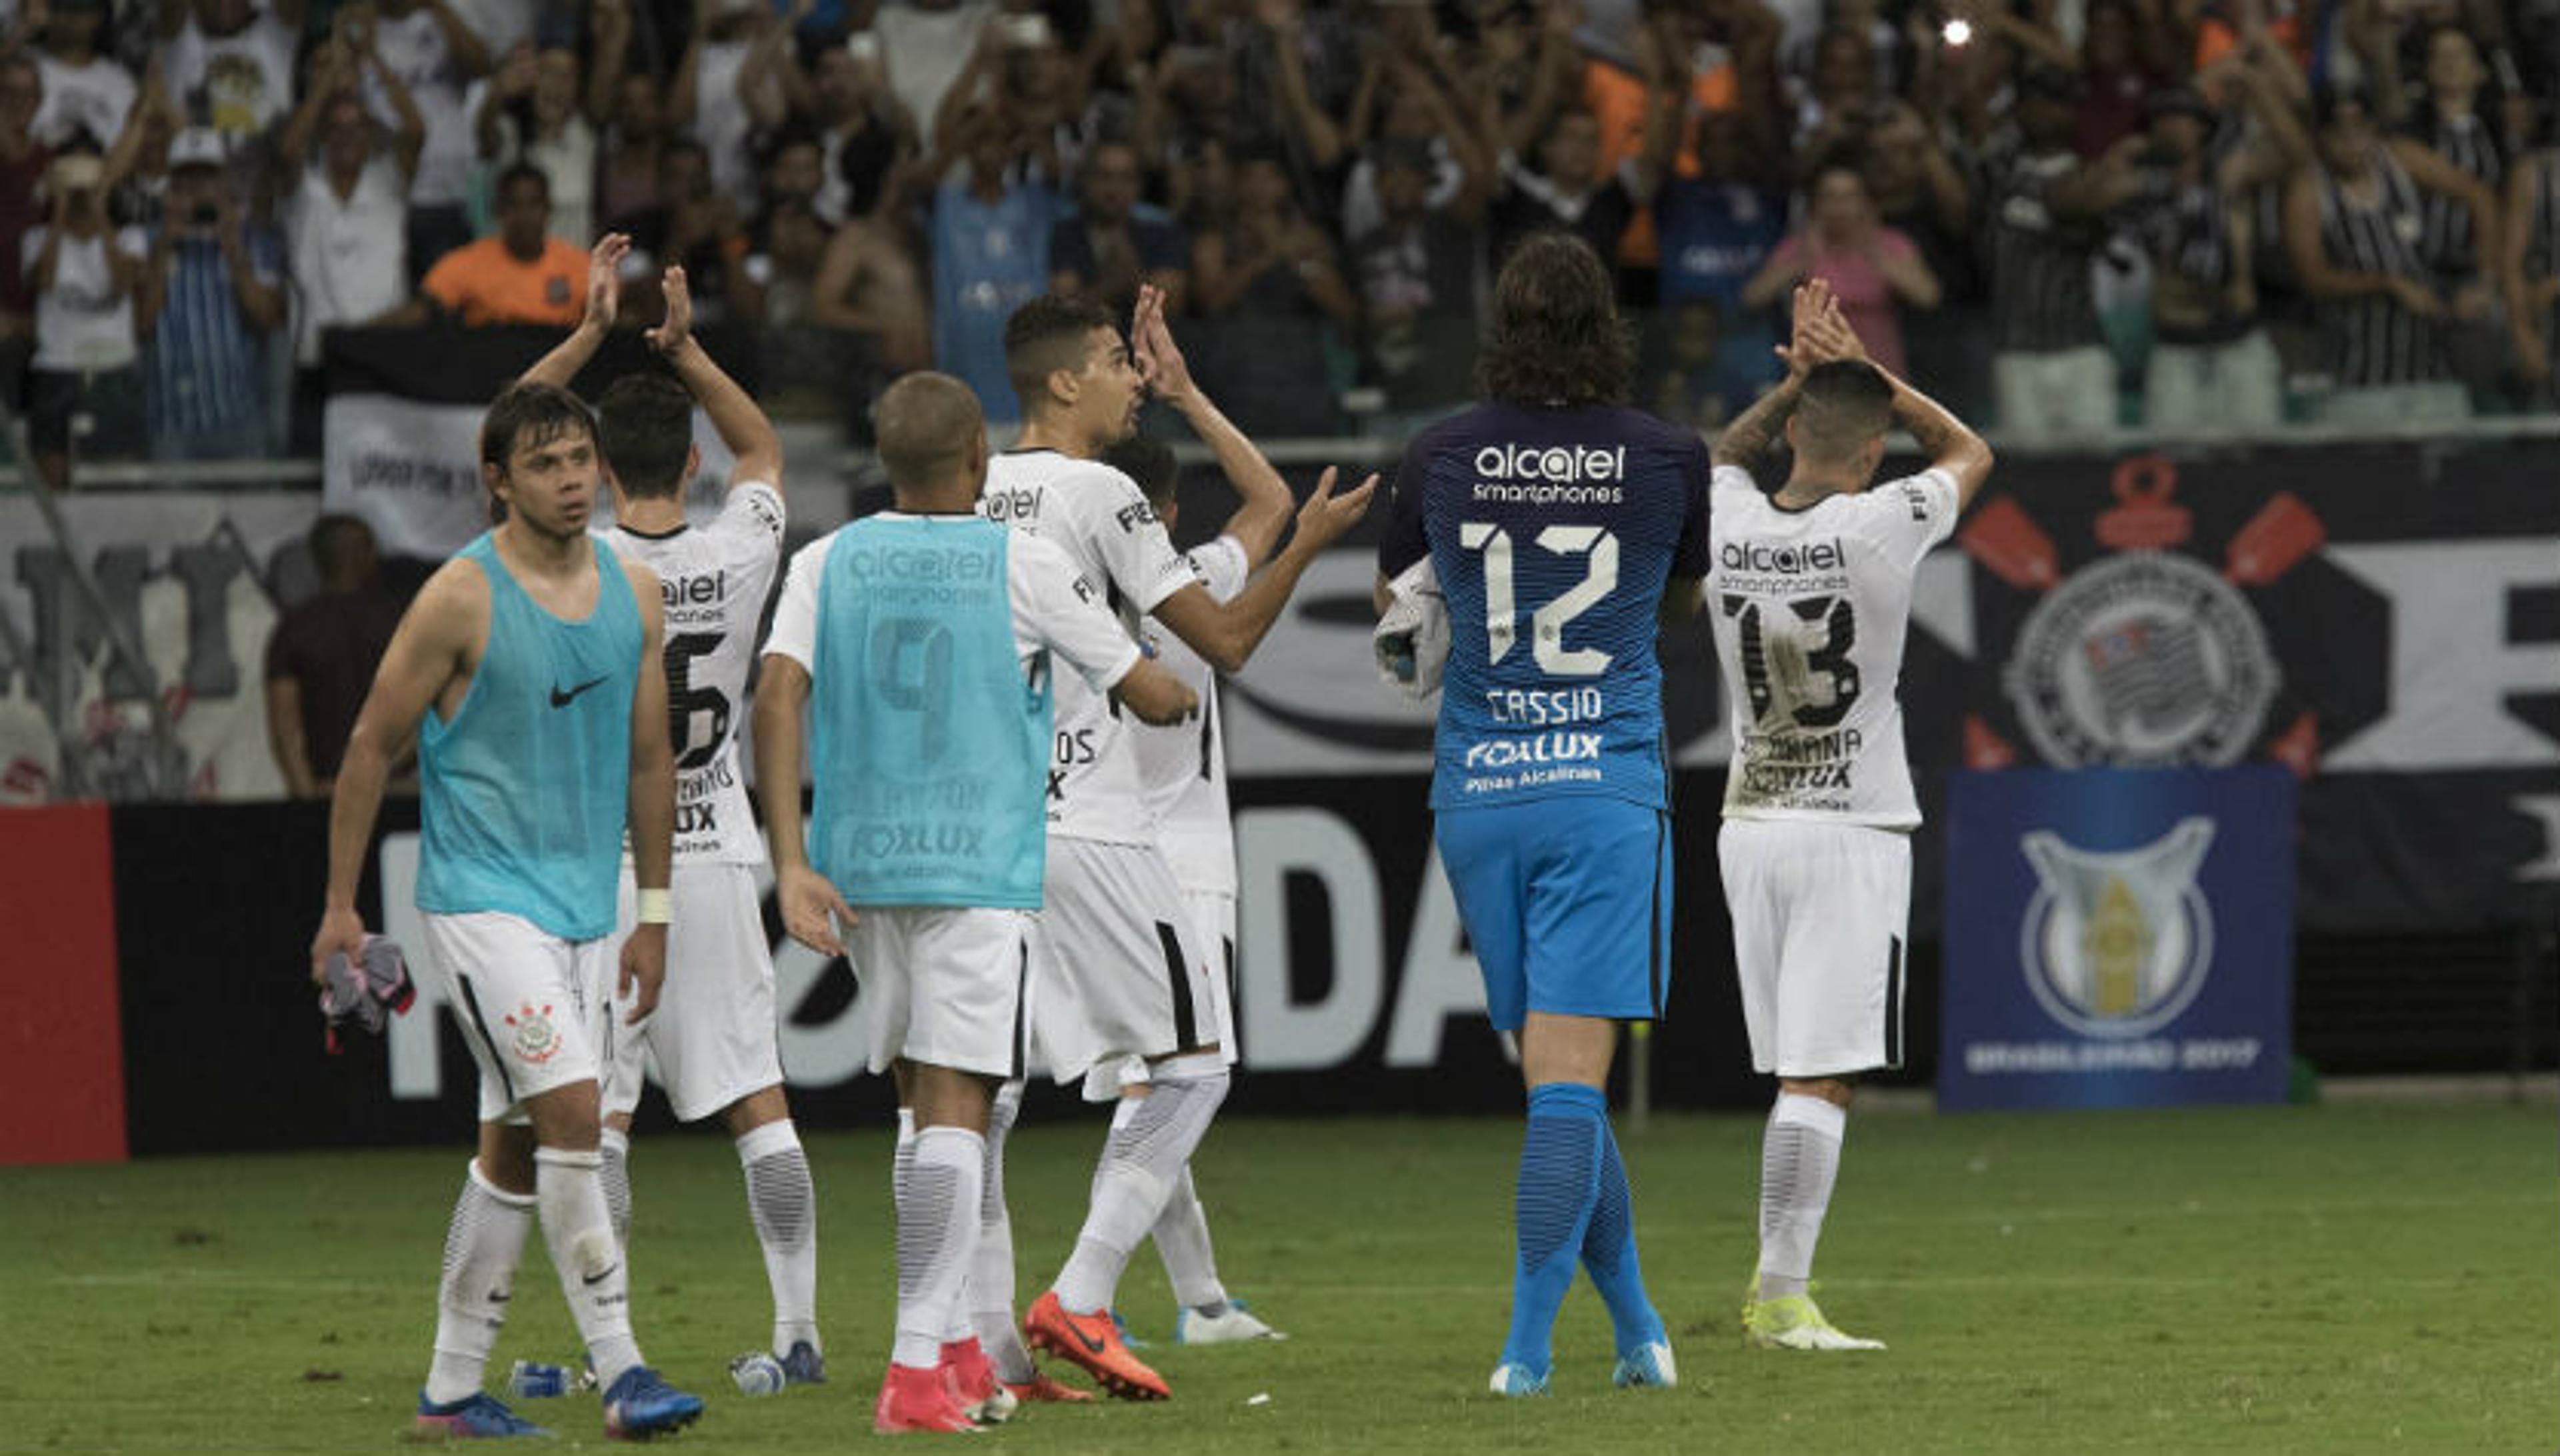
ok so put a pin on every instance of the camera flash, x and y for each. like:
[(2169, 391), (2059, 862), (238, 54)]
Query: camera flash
[(1956, 32)]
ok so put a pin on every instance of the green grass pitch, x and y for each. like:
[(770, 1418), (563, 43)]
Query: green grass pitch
[(2342, 1279)]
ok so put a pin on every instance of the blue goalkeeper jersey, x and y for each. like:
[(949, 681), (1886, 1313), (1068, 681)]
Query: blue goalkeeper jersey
[(1554, 533)]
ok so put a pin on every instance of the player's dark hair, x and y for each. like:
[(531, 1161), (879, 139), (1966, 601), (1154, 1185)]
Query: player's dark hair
[(1843, 406), (534, 415), (1048, 334), (924, 426), (1151, 464), (1556, 338), (644, 423)]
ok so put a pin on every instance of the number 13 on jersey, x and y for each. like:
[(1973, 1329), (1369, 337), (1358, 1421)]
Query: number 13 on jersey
[(1599, 551)]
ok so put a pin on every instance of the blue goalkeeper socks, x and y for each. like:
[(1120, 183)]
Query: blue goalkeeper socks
[(1559, 1183), (1609, 1253)]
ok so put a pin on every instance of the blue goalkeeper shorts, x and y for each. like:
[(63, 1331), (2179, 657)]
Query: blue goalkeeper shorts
[(1567, 901)]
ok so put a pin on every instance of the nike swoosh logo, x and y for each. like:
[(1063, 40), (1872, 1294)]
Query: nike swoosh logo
[(609, 1271), (563, 700), (1091, 1345)]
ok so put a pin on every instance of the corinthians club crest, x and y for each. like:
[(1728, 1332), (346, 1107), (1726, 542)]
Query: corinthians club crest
[(2117, 944)]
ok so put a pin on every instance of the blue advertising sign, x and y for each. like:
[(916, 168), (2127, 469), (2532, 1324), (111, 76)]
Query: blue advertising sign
[(2117, 938)]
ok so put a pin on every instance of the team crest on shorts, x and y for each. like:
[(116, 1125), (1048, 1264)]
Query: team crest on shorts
[(2117, 944), (2146, 658), (537, 1039)]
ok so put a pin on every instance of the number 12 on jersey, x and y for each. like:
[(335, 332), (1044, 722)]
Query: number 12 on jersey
[(1599, 551)]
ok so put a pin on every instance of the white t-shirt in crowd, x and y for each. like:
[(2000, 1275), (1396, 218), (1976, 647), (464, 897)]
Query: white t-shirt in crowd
[(243, 81), (414, 48), (82, 322), (350, 256), (96, 99)]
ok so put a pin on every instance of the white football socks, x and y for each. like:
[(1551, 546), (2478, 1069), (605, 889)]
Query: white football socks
[(615, 1145), (990, 1297), (482, 1246), (939, 1192), (1799, 1162), (783, 1203), (1182, 1240), (1152, 1139), (569, 1189)]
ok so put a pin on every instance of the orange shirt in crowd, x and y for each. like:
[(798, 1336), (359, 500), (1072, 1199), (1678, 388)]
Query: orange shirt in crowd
[(1617, 99), (486, 284)]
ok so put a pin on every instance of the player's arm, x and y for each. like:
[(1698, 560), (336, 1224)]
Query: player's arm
[(1225, 635), (1751, 433), (741, 426), (431, 645), (1257, 524), (1069, 618), (652, 805), (810, 909), (603, 303)]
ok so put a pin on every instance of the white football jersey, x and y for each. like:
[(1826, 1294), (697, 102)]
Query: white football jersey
[(1184, 764), (712, 580), (1811, 608), (1102, 521)]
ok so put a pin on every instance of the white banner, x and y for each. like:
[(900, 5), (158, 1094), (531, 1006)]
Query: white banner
[(192, 578), (410, 469)]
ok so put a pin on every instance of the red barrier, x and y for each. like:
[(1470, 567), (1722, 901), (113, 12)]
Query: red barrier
[(61, 1047)]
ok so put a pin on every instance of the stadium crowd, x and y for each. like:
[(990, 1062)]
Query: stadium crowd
[(2066, 213)]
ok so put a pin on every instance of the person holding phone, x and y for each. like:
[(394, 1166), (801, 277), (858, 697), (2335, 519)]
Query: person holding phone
[(86, 276), (217, 289)]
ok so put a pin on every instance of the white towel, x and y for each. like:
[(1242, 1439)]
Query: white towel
[(1412, 638)]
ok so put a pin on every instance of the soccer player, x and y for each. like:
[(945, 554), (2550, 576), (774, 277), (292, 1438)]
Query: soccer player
[(712, 1038), (529, 671), (1811, 599), (1183, 771), (919, 642), (1122, 975), (1563, 528)]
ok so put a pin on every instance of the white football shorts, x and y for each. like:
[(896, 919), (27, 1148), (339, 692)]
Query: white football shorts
[(1213, 916), (531, 1005), (712, 1038), (1820, 915), (1116, 962), (946, 987)]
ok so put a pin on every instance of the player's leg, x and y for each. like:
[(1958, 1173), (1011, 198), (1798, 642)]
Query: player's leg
[(1839, 1012), (1119, 935), (959, 1043), (1203, 1314), (782, 1204), (1620, 926), (484, 1241), (1484, 856)]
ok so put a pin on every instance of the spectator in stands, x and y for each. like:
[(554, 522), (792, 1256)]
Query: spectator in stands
[(993, 213), (522, 275), (706, 94), (1872, 269), (1416, 273), (2212, 366), (2123, 59), (1112, 242), (2531, 259), (777, 272), (862, 133), (1719, 227), (137, 166), (87, 90), (230, 64), (23, 161), (2052, 375), (1568, 191), (926, 43), (435, 53), (1407, 96), (870, 294), (632, 152), (534, 110), (321, 656), (216, 290), (2354, 229), (90, 307), (2451, 125), (1268, 276), (1693, 376), (693, 224), (349, 226)]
